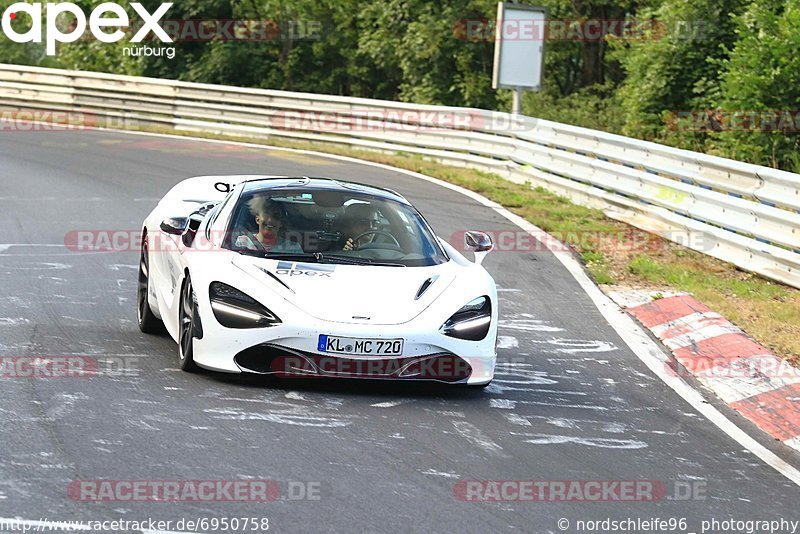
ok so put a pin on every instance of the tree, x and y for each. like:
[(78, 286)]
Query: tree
[(763, 74), (426, 52), (676, 66)]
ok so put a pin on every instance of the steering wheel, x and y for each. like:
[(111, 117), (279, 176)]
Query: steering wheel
[(376, 232)]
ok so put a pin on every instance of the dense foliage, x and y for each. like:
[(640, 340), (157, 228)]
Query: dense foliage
[(699, 74)]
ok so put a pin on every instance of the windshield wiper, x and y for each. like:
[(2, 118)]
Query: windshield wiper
[(318, 257), (308, 257), (358, 261)]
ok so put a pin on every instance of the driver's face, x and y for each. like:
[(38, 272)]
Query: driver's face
[(365, 224)]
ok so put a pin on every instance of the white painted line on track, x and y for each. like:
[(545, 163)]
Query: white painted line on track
[(793, 442), (436, 473), (388, 404), (645, 348), (474, 435), (507, 342)]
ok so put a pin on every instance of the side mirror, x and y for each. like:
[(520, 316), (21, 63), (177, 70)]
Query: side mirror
[(174, 225), (479, 243), (191, 231)]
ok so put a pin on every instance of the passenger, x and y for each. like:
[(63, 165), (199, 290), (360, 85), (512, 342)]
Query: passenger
[(271, 235)]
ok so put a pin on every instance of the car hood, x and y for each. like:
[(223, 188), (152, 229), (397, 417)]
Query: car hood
[(352, 293)]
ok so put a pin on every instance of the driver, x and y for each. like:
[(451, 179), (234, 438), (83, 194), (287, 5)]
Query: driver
[(271, 234), (359, 219)]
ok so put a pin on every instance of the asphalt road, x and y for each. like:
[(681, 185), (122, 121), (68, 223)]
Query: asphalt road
[(570, 403)]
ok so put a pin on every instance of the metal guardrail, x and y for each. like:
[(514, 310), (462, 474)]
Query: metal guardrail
[(745, 214)]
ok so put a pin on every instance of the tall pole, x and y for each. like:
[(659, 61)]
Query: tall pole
[(516, 105)]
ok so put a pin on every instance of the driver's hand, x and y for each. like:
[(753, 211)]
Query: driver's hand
[(349, 245)]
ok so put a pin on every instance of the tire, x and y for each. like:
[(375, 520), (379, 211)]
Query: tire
[(187, 322), (148, 322)]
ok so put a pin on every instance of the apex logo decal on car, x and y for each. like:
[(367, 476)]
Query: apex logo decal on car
[(288, 268)]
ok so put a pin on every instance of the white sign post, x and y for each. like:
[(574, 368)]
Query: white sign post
[(519, 49)]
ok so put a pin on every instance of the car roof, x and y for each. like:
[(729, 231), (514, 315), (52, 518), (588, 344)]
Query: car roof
[(259, 183)]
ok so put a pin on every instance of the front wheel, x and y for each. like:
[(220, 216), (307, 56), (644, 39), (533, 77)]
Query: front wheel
[(148, 322), (187, 321)]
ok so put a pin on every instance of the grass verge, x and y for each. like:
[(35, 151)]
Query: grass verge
[(614, 252)]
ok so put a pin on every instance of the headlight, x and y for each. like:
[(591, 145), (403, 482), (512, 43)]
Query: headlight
[(234, 309), (470, 322)]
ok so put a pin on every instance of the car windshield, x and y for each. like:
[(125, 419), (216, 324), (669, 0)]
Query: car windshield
[(331, 226)]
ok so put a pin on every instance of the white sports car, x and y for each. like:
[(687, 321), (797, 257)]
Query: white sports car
[(314, 277)]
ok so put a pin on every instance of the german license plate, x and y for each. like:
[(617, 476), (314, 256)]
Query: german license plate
[(360, 346)]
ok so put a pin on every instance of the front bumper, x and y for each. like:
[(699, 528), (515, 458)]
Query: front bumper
[(291, 352)]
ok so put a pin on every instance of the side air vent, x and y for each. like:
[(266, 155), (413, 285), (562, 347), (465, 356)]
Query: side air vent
[(424, 287)]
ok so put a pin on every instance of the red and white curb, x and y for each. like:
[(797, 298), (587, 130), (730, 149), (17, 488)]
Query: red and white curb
[(745, 375)]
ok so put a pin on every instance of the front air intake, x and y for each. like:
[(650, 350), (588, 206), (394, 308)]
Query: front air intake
[(290, 363)]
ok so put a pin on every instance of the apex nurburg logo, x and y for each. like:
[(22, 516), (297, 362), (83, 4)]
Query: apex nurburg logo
[(107, 15)]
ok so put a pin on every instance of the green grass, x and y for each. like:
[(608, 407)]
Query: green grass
[(698, 280)]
